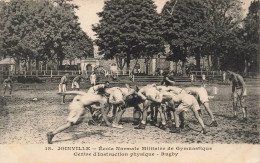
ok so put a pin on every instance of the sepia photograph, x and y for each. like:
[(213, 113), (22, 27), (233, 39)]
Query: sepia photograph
[(112, 80)]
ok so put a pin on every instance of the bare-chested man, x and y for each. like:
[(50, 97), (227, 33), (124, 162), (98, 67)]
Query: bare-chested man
[(149, 93), (184, 102), (201, 94), (78, 111), (238, 93)]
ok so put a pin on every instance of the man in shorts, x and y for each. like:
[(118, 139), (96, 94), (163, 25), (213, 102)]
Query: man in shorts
[(63, 86), (201, 94), (78, 110), (93, 79), (149, 94), (184, 102), (102, 89), (238, 93), (8, 84), (76, 82), (120, 98)]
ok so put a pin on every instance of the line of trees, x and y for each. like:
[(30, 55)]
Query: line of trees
[(34, 31), (191, 28)]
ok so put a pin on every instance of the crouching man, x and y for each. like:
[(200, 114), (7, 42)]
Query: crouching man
[(78, 111)]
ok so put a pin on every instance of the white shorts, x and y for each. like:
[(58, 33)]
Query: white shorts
[(8, 85), (75, 85), (116, 96), (62, 87), (203, 95), (188, 102), (93, 82)]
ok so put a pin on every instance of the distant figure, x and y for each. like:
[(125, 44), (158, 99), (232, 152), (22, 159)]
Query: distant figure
[(8, 84), (203, 79), (238, 93), (76, 82), (224, 76), (161, 72), (63, 86), (192, 78), (167, 80), (93, 79)]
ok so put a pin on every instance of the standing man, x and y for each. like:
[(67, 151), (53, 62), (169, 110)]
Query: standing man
[(93, 79), (238, 93), (203, 79), (192, 78), (167, 80), (76, 82), (8, 83), (63, 86), (224, 76)]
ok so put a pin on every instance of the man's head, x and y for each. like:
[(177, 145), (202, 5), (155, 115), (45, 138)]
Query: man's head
[(165, 74), (67, 74), (107, 84), (231, 75)]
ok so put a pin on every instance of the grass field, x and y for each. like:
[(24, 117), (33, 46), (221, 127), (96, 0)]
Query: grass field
[(24, 121)]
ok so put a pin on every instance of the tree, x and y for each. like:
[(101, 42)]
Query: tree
[(251, 35), (42, 30), (201, 28), (224, 19), (182, 28), (128, 29)]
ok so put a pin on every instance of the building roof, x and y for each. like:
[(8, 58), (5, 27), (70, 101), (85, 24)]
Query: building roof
[(7, 61)]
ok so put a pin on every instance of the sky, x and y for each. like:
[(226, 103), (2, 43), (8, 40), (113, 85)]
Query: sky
[(88, 10)]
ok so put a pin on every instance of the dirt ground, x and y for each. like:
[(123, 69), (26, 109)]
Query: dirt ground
[(24, 121)]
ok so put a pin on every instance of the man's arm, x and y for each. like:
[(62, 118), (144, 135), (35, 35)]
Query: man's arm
[(140, 94), (243, 84), (170, 81), (158, 99)]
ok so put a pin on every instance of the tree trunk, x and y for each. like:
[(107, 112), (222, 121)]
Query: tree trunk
[(197, 58), (209, 62), (183, 67), (37, 63), (246, 66), (147, 66), (218, 61), (176, 68), (29, 65), (134, 66), (127, 63), (17, 65)]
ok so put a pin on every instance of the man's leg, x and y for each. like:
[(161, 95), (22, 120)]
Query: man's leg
[(143, 122), (162, 113), (10, 90), (182, 118), (4, 90), (235, 105), (51, 134), (137, 113), (196, 114), (118, 117), (213, 121), (244, 109), (176, 128)]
